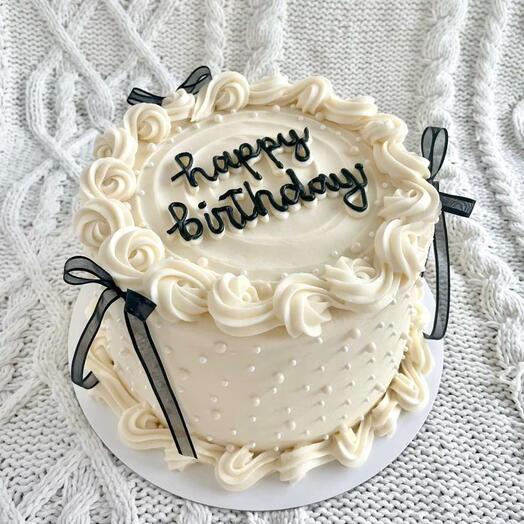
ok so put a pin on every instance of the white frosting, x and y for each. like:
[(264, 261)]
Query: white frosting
[(376, 251), (286, 341), (238, 466)]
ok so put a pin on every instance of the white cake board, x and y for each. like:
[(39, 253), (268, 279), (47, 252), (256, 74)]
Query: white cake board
[(198, 483)]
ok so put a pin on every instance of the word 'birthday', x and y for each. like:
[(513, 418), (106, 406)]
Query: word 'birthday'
[(260, 201)]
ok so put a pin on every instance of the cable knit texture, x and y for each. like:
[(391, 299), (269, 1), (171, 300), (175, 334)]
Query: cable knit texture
[(65, 70)]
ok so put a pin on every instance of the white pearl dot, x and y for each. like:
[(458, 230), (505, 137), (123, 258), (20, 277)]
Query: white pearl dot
[(251, 368), (278, 436), (288, 410), (292, 425), (276, 449), (322, 369), (354, 333), (225, 383), (328, 389), (230, 448), (216, 415), (213, 398), (253, 418), (274, 390), (258, 349), (255, 401), (293, 362), (307, 387), (202, 360), (209, 438), (220, 347), (234, 432), (326, 437), (322, 403), (371, 347), (307, 432), (345, 348), (320, 340), (202, 261), (322, 418)]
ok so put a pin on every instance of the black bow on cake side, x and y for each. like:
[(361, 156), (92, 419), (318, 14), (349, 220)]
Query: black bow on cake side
[(434, 145), (137, 309)]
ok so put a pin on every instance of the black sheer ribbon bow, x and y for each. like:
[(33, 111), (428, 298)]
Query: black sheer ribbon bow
[(434, 145), (137, 309), (192, 84)]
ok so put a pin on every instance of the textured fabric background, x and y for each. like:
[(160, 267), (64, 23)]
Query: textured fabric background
[(65, 69)]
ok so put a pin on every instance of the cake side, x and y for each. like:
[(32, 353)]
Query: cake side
[(237, 466)]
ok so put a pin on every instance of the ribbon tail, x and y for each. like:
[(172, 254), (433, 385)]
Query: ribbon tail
[(86, 339), (442, 270), (152, 364)]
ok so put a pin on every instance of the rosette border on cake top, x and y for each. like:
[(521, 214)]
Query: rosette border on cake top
[(112, 223)]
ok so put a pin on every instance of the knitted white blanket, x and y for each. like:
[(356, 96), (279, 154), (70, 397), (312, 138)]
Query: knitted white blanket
[(65, 70)]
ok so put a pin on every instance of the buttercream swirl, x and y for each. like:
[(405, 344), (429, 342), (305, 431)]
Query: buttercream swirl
[(140, 428), (397, 246), (179, 288), (412, 202), (116, 142), (130, 252), (148, 122), (179, 105), (302, 303), (360, 286), (98, 219), (238, 308), (226, 92), (108, 178)]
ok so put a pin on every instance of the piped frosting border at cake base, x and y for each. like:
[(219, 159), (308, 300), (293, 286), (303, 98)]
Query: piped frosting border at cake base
[(238, 468), (108, 222)]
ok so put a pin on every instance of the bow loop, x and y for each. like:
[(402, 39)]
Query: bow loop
[(434, 145), (80, 264)]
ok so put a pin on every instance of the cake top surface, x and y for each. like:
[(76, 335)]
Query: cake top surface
[(264, 205)]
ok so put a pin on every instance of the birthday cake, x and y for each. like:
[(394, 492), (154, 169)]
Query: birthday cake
[(280, 233)]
